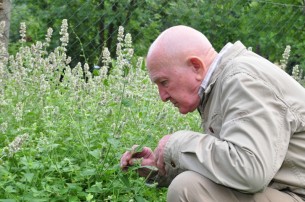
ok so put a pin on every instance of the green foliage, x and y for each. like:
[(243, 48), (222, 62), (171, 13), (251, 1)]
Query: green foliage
[(93, 24), (63, 130), (266, 26)]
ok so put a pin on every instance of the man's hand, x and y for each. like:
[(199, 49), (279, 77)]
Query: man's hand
[(145, 157), (159, 154)]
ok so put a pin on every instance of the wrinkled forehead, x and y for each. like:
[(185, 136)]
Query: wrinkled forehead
[(164, 71), (156, 70), (158, 59)]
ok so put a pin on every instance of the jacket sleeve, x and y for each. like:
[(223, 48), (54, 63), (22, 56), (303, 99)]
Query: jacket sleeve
[(252, 141)]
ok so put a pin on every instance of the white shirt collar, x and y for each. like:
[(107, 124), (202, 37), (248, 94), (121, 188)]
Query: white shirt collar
[(212, 68)]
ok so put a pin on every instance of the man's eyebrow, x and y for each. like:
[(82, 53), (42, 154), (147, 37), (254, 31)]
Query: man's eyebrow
[(157, 79), (154, 79)]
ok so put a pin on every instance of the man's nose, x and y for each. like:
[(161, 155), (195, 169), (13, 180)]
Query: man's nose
[(164, 95)]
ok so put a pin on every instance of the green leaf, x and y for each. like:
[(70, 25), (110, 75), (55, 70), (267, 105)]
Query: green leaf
[(97, 188), (140, 199), (96, 72), (74, 199), (89, 197), (126, 102), (88, 172), (114, 142), (105, 82), (125, 180), (74, 186), (96, 153), (29, 177), (10, 189)]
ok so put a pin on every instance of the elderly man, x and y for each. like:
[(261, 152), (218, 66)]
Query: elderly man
[(253, 114)]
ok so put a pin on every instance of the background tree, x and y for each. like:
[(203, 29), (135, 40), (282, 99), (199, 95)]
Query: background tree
[(267, 26)]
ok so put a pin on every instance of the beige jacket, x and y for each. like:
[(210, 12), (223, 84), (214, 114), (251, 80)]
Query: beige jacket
[(253, 114)]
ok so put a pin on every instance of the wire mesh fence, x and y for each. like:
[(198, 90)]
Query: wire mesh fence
[(267, 26)]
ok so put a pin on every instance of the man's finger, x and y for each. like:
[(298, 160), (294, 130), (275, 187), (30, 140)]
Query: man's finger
[(148, 162), (144, 153), (125, 158)]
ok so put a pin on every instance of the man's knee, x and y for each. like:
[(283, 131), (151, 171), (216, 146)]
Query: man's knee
[(188, 185), (180, 182), (191, 186)]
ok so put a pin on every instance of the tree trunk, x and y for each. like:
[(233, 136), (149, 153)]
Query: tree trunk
[(101, 31), (5, 13), (111, 32), (132, 6)]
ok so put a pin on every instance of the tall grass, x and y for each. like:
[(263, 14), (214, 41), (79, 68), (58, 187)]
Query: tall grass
[(63, 129)]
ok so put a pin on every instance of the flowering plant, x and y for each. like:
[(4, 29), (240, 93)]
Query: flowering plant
[(63, 129)]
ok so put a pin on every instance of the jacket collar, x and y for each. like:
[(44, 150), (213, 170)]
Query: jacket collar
[(212, 68), (224, 61), (234, 51)]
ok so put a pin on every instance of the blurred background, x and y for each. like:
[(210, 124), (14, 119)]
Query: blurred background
[(267, 26)]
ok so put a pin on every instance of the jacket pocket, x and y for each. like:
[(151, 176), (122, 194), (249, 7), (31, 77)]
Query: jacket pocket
[(213, 126)]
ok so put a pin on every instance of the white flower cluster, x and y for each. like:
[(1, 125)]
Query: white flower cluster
[(106, 60), (286, 54), (64, 33), (3, 51), (3, 58), (18, 111), (3, 127), (48, 37), (297, 72), (124, 51), (22, 32), (15, 145)]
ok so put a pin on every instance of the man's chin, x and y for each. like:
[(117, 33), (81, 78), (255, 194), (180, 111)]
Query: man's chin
[(185, 111)]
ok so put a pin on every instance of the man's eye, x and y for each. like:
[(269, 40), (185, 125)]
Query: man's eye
[(164, 83)]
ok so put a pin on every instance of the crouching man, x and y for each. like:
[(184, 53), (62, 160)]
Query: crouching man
[(253, 114)]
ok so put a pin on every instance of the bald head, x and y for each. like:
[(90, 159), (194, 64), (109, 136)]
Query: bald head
[(177, 43), (177, 63)]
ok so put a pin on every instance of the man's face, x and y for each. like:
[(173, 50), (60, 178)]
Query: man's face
[(178, 84)]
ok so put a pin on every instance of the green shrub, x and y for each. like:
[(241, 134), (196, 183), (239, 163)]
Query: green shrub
[(63, 130)]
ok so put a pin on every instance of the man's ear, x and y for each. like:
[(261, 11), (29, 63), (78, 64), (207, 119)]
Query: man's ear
[(198, 66)]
